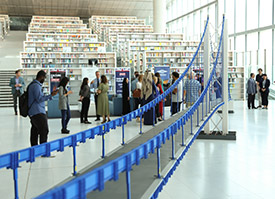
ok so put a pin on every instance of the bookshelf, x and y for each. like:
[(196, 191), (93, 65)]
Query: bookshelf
[(64, 21), (61, 37), (176, 60), (111, 32), (120, 39), (66, 60), (43, 46), (35, 17), (236, 77), (133, 52), (57, 25), (92, 20), (60, 30), (102, 25)]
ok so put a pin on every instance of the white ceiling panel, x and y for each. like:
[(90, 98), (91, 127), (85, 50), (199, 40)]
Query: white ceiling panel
[(81, 8)]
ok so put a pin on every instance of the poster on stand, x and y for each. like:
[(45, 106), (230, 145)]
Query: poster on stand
[(121, 73), (164, 72), (55, 78)]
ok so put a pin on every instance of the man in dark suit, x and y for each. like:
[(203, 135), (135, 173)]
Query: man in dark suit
[(17, 84)]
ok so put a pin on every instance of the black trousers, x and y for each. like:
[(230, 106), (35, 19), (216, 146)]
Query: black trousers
[(157, 111), (97, 116), (15, 96), (265, 98), (39, 129), (175, 107), (85, 109), (251, 100)]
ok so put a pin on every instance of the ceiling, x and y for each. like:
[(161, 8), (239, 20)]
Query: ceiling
[(81, 8)]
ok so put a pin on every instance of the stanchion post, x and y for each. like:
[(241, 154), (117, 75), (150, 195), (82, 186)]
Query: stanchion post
[(158, 159), (140, 124), (123, 139), (103, 143), (173, 146), (74, 159), (182, 135), (15, 179), (154, 114), (198, 116), (191, 121)]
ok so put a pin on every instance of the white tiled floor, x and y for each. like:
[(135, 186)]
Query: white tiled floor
[(211, 169), (242, 169)]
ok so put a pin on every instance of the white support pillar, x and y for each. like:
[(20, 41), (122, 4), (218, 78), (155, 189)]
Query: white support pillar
[(206, 61), (225, 80), (159, 16)]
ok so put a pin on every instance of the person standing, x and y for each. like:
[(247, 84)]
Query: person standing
[(125, 97), (94, 85), (192, 90), (64, 104), (159, 86), (251, 91), (17, 84), (85, 95), (264, 85), (259, 79), (134, 89), (176, 94), (148, 93), (138, 94), (37, 112), (103, 102)]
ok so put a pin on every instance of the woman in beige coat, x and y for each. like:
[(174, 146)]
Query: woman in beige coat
[(103, 102)]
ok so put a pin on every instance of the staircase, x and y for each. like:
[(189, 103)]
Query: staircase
[(6, 99)]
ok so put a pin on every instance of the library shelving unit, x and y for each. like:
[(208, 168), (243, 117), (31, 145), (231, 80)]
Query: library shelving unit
[(54, 17), (57, 25), (60, 30), (64, 21), (121, 39), (66, 60), (131, 48), (92, 20), (46, 46), (176, 60), (236, 77), (101, 25), (61, 37), (111, 32)]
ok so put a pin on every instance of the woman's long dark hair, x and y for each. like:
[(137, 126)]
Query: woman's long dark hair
[(64, 81), (104, 79), (84, 83)]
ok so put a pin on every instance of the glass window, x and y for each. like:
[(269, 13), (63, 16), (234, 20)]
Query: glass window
[(265, 52), (265, 13), (240, 15), (252, 14), (230, 15)]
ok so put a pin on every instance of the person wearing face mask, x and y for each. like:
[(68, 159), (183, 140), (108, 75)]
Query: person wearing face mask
[(37, 112)]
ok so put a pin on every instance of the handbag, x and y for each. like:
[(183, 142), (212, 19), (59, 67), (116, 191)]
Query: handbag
[(137, 93)]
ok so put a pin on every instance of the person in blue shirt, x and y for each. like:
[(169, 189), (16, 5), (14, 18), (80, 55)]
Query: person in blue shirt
[(94, 85), (37, 112), (17, 84)]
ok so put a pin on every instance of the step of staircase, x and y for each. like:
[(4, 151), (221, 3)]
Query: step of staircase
[(6, 98)]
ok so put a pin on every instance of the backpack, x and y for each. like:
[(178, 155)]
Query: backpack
[(23, 103)]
